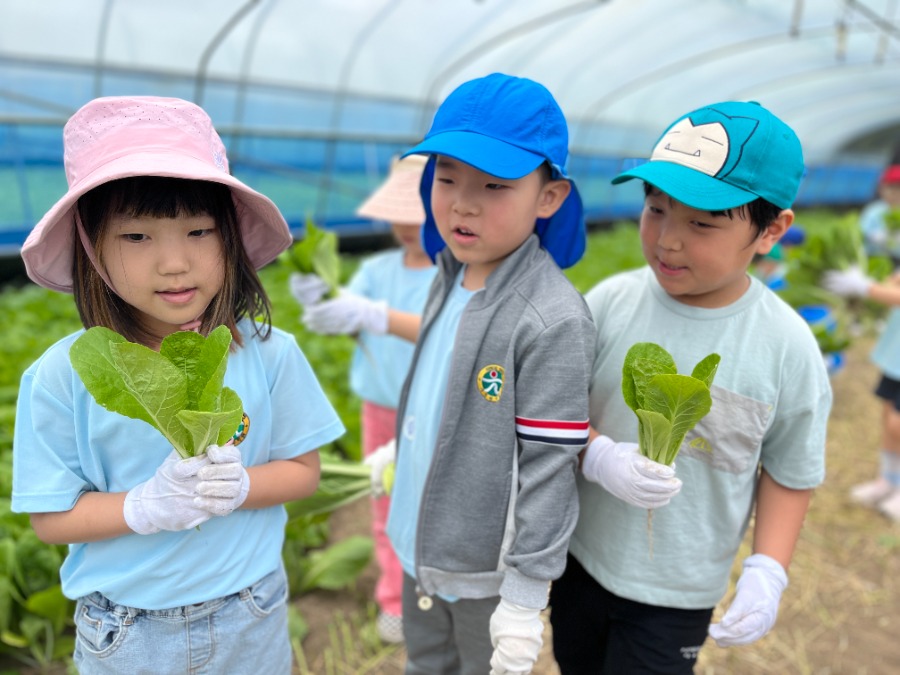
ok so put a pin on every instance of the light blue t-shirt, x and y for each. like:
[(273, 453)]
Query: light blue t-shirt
[(771, 399), (380, 362), (65, 444), (418, 433), (877, 237)]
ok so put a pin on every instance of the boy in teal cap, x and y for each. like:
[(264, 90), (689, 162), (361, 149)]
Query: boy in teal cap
[(494, 410), (719, 187)]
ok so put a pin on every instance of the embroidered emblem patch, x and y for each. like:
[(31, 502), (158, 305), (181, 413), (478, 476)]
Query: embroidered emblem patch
[(242, 430), (490, 382)]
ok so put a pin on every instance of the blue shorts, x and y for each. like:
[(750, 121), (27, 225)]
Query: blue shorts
[(245, 633)]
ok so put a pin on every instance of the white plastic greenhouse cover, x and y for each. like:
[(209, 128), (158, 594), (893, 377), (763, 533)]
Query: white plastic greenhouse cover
[(325, 91)]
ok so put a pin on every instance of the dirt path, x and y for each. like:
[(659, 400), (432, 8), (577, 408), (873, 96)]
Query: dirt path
[(839, 615)]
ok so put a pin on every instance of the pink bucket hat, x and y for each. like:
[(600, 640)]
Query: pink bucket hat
[(397, 199), (125, 136)]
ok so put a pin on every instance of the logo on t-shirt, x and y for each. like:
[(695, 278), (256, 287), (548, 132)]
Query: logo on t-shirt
[(490, 382)]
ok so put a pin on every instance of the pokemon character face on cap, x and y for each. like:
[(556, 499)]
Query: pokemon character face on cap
[(703, 143), (725, 155)]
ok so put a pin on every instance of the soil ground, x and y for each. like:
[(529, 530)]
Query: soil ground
[(840, 614)]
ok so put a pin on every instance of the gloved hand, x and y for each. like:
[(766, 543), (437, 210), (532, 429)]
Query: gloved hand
[(307, 289), (379, 460), (347, 313), (224, 482), (849, 283), (755, 606), (516, 633), (621, 470), (166, 501)]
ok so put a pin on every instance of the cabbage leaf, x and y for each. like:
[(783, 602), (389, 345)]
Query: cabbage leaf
[(178, 390), (667, 405)]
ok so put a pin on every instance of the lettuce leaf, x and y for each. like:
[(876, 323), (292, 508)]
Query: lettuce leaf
[(317, 253), (667, 405), (178, 391)]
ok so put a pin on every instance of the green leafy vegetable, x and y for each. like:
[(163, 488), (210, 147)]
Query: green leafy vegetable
[(892, 220), (178, 390), (668, 405), (317, 253)]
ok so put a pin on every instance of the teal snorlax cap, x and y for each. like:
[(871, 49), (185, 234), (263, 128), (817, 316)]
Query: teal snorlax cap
[(507, 127), (723, 156)]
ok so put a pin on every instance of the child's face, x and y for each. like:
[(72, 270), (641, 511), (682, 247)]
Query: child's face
[(483, 218), (169, 269), (700, 258), (409, 237), (890, 193)]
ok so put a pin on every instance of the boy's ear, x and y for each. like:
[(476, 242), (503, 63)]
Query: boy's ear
[(774, 231), (553, 194)]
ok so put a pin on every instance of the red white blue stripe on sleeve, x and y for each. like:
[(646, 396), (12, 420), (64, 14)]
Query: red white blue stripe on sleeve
[(552, 431)]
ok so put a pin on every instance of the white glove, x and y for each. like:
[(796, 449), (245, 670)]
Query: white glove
[(224, 482), (516, 633), (847, 283), (621, 470), (307, 289), (166, 501), (379, 460), (755, 606), (347, 313)]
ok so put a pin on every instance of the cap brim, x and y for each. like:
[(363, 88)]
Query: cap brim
[(486, 154), (47, 251), (688, 186)]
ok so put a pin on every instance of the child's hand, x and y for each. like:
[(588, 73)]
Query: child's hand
[(379, 460), (166, 501), (307, 289), (848, 283), (621, 470), (516, 634), (347, 313), (224, 482), (755, 606)]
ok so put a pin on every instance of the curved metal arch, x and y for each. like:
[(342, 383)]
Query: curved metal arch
[(100, 52), (647, 79), (429, 104), (240, 97), (340, 91), (203, 64)]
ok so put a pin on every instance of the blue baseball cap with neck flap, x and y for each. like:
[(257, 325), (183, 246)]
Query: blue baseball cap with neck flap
[(723, 156), (507, 127)]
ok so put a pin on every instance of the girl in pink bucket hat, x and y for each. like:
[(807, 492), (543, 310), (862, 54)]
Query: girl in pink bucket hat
[(382, 305), (154, 236)]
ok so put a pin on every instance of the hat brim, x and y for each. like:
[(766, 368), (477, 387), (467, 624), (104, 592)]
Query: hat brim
[(688, 186), (397, 200), (486, 154), (48, 249)]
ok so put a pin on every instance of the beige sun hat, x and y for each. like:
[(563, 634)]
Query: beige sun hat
[(125, 136), (397, 199)]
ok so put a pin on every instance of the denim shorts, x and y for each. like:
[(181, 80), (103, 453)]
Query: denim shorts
[(242, 633)]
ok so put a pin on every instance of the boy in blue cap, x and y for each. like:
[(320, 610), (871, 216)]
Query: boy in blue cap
[(494, 410), (719, 186)]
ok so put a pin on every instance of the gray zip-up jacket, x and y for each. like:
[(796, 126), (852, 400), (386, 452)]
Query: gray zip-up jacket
[(499, 502)]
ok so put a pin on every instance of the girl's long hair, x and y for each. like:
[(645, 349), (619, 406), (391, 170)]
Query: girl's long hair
[(242, 294)]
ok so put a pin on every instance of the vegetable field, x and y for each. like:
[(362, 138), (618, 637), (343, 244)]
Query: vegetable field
[(839, 613)]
